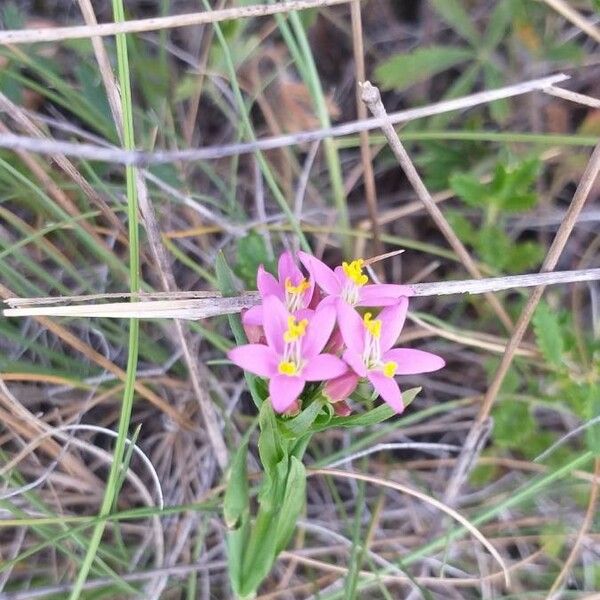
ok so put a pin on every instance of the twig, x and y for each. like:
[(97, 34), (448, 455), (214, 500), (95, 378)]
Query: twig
[(372, 98), (361, 112), (141, 158), (200, 305), (59, 34), (469, 454), (572, 96), (569, 13)]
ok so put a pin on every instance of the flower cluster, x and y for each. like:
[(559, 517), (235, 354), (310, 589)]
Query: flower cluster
[(309, 330)]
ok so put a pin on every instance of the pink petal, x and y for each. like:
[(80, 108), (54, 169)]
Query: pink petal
[(275, 322), (383, 294), (322, 274), (392, 320), (256, 358), (287, 267), (323, 367), (412, 362), (284, 391), (352, 327), (319, 330), (388, 389), (354, 359), (253, 316), (267, 284)]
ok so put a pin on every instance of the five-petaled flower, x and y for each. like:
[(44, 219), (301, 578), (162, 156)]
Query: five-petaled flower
[(293, 353), (348, 284), (369, 350), (292, 288)]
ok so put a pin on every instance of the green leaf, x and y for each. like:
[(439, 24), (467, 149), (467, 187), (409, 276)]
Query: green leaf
[(494, 78), (546, 326), (524, 256), (493, 245), (500, 19), (457, 17), (373, 417), (593, 412), (461, 226), (251, 253), (469, 189), (301, 424), (235, 503), (293, 502), (513, 423), (269, 443), (404, 70)]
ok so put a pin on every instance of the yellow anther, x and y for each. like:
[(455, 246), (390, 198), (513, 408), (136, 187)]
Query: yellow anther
[(290, 288), (354, 272), (373, 326), (287, 368), (295, 330), (389, 368)]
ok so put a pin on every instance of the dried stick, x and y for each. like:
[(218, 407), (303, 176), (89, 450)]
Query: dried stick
[(361, 112), (140, 158), (372, 98), (159, 255), (202, 305), (569, 13), (59, 34), (469, 454)]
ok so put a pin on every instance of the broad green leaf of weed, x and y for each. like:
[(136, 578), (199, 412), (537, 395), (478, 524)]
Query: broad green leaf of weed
[(493, 245), (524, 256), (513, 423), (462, 226), (251, 253), (469, 189), (404, 70), (548, 334)]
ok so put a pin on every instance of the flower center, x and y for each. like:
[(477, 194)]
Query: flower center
[(389, 368), (355, 280), (294, 294), (372, 353), (291, 362), (287, 367)]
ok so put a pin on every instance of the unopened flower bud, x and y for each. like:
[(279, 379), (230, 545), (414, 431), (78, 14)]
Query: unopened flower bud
[(340, 388)]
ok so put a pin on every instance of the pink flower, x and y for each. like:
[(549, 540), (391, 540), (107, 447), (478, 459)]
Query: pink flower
[(369, 350), (293, 353), (351, 285), (292, 288)]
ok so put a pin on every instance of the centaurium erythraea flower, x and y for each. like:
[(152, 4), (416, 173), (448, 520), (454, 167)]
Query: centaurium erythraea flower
[(350, 285), (293, 352), (370, 353), (291, 287)]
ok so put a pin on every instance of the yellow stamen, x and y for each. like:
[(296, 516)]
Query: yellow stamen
[(296, 289), (295, 330), (354, 272), (389, 368), (287, 368), (373, 326)]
